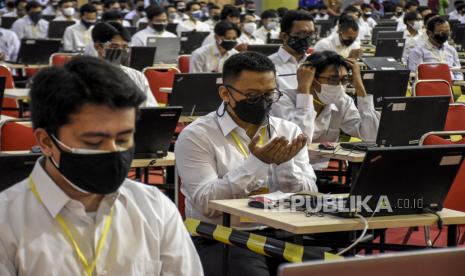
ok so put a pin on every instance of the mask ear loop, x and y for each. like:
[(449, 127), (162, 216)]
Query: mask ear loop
[(225, 104)]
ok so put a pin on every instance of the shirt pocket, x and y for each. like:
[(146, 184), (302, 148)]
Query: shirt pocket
[(147, 267)]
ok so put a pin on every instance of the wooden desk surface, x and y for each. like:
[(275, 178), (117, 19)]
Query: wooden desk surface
[(23, 66), (298, 223), (167, 161), (17, 93), (338, 154)]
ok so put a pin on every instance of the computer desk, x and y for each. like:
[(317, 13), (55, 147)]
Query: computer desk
[(19, 94), (299, 224)]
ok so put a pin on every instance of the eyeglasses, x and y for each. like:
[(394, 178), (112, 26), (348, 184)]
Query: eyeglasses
[(115, 46), (270, 97), (336, 80)]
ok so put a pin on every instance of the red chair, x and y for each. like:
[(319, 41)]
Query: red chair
[(60, 59), (183, 63), (9, 104), (16, 135), (434, 71), (158, 78), (433, 88), (455, 120)]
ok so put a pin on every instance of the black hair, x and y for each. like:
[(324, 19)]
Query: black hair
[(222, 27), (410, 16), (288, 20), (59, 92), (427, 18), (96, 3), (321, 60), (104, 32), (423, 8), (435, 21), (347, 22), (267, 14), (351, 9), (87, 8), (111, 16), (154, 10), (282, 11), (410, 4), (33, 5), (190, 4), (461, 6), (458, 2), (246, 61), (239, 2), (63, 2), (230, 11), (213, 6), (365, 6), (108, 3)]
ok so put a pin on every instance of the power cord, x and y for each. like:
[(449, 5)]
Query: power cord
[(357, 241), (440, 223)]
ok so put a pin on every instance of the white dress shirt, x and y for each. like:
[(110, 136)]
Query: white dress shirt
[(411, 42), (319, 17), (210, 22), (454, 15), (63, 18), (77, 37), (208, 59), (25, 28), (249, 40), (371, 22), (211, 165), (189, 26), (9, 44), (262, 34), (332, 43), (141, 81), (11, 14), (426, 52), (142, 20), (364, 30), (140, 38), (146, 235), (286, 64)]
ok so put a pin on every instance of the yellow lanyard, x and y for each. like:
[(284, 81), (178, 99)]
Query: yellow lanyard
[(89, 268), (242, 147), (35, 31)]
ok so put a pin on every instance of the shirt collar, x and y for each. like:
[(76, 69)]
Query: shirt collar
[(226, 123), (285, 56), (335, 40)]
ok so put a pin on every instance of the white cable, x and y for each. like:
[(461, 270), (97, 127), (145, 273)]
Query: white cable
[(365, 229)]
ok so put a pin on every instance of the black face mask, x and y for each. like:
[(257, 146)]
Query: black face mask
[(322, 14), (117, 56), (158, 27), (216, 18), (10, 5), (399, 13), (87, 24), (228, 44), (299, 44), (140, 8), (346, 42), (35, 17), (253, 111), (100, 173), (441, 38)]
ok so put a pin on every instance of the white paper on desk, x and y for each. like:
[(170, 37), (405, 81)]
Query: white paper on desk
[(276, 196)]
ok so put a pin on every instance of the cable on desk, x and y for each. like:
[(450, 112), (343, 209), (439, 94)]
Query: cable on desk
[(440, 223), (365, 229)]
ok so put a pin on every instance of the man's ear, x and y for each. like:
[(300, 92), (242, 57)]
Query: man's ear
[(224, 94), (284, 36), (44, 141)]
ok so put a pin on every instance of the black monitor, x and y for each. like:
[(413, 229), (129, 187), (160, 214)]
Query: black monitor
[(390, 47), (154, 131), (385, 83), (265, 49), (196, 93), (131, 30), (7, 21), (453, 24), (48, 17), (382, 63), (142, 57), (376, 30), (142, 25), (389, 35), (15, 168), (458, 33), (171, 27), (323, 27), (38, 51), (404, 120), (191, 41), (56, 29), (387, 23), (274, 41)]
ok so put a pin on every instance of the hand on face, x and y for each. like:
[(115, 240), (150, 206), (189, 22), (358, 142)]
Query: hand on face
[(305, 77)]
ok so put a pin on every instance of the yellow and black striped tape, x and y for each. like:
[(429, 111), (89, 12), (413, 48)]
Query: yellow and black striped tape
[(259, 244)]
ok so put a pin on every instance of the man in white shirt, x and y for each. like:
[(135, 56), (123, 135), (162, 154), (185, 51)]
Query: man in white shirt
[(214, 12), (250, 9), (111, 42), (367, 13), (249, 26), (461, 10), (322, 13), (9, 45), (456, 14), (270, 26), (99, 7), (67, 11), (239, 149), (436, 49), (324, 78), (77, 213), (137, 13), (297, 29), (20, 9), (211, 57), (78, 36), (344, 41), (193, 23), (399, 17), (9, 7), (229, 14), (156, 28), (31, 26), (414, 24)]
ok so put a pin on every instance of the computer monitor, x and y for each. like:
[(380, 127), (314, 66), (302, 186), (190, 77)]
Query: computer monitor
[(404, 120), (196, 93), (375, 82), (48, 17), (168, 49), (154, 131), (324, 27), (430, 262), (132, 30), (142, 25), (191, 41), (387, 47), (56, 29), (377, 29), (7, 21), (265, 49), (171, 27), (37, 51), (382, 63), (458, 33), (389, 35), (15, 168), (387, 23), (142, 57), (274, 41)]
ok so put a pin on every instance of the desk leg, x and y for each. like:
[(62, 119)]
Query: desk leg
[(382, 241), (452, 235), (146, 175), (226, 223), (354, 171), (138, 175), (21, 108)]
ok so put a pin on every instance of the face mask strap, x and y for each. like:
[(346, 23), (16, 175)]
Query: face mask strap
[(225, 105)]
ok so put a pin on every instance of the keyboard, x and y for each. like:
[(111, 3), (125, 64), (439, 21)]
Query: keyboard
[(358, 146)]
